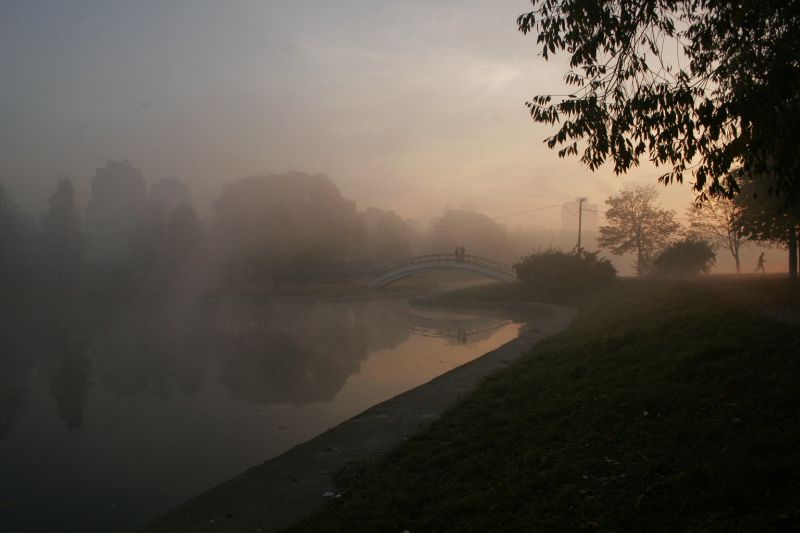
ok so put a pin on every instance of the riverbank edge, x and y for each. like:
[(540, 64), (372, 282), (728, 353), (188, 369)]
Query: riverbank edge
[(432, 301), (282, 491)]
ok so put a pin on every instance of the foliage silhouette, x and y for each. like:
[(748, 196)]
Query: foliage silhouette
[(62, 235), (555, 274), (700, 86), (14, 242), (687, 257), (487, 238), (636, 224), (764, 218), (719, 221), (270, 225)]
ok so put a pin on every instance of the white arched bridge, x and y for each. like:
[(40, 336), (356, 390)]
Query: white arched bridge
[(432, 262)]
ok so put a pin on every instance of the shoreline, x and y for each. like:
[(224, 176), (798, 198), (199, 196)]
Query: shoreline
[(284, 490)]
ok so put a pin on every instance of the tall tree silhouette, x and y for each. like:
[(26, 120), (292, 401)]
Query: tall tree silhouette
[(292, 222), (11, 248), (635, 223), (719, 221), (62, 237), (386, 239)]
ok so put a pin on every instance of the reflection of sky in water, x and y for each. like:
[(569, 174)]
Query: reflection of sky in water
[(111, 415)]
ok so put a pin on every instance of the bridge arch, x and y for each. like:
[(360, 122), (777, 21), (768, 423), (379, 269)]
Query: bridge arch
[(428, 263)]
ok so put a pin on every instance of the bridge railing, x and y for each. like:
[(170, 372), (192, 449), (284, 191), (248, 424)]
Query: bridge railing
[(447, 258)]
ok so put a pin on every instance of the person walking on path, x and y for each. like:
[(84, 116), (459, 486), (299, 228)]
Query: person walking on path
[(462, 250), (761, 262), (458, 255)]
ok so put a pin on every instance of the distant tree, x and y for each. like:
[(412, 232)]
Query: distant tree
[(10, 237), (386, 239), (635, 223), (555, 274), (116, 216), (183, 231), (62, 236), (719, 221), (272, 225), (687, 257), (166, 243), (706, 85), (70, 380), (476, 232)]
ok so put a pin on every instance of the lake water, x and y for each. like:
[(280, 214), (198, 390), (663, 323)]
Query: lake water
[(113, 414)]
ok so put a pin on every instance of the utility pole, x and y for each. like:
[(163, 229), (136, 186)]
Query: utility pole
[(580, 220)]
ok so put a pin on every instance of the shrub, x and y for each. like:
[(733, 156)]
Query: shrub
[(688, 257), (554, 273)]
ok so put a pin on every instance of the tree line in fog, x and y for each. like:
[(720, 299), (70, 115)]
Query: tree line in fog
[(273, 228)]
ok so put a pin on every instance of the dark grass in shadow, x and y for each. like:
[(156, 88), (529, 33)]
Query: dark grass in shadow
[(661, 408)]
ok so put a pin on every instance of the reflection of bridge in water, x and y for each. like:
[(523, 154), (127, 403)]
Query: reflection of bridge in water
[(428, 263), (461, 329)]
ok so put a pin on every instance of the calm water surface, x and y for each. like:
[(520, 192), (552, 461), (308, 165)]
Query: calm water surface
[(113, 414)]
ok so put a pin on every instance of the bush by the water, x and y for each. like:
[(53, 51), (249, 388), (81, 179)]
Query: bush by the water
[(554, 273), (688, 257)]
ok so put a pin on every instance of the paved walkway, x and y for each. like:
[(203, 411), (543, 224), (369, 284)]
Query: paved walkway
[(282, 491)]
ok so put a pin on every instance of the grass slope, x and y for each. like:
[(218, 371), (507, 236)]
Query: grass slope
[(659, 409)]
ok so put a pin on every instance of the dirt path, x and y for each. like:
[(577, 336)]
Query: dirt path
[(282, 491)]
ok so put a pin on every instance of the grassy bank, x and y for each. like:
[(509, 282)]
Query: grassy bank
[(504, 292), (664, 407)]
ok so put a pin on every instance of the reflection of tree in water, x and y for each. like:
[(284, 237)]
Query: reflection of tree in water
[(48, 336), (285, 353), (301, 353), (289, 354), (69, 379), (59, 337), (456, 327), (152, 348), (17, 360), (267, 353), (16, 366), (15, 374), (134, 348)]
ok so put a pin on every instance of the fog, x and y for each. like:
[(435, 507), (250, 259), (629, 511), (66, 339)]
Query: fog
[(195, 196), (410, 106)]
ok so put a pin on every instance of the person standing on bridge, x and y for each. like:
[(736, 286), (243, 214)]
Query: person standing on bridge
[(462, 253), (458, 255)]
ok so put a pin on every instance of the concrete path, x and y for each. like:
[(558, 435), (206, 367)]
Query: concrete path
[(282, 491)]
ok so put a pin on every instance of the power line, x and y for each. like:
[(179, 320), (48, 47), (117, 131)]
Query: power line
[(603, 215), (476, 221)]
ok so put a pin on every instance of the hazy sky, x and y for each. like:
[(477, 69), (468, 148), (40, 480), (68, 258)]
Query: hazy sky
[(412, 105)]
